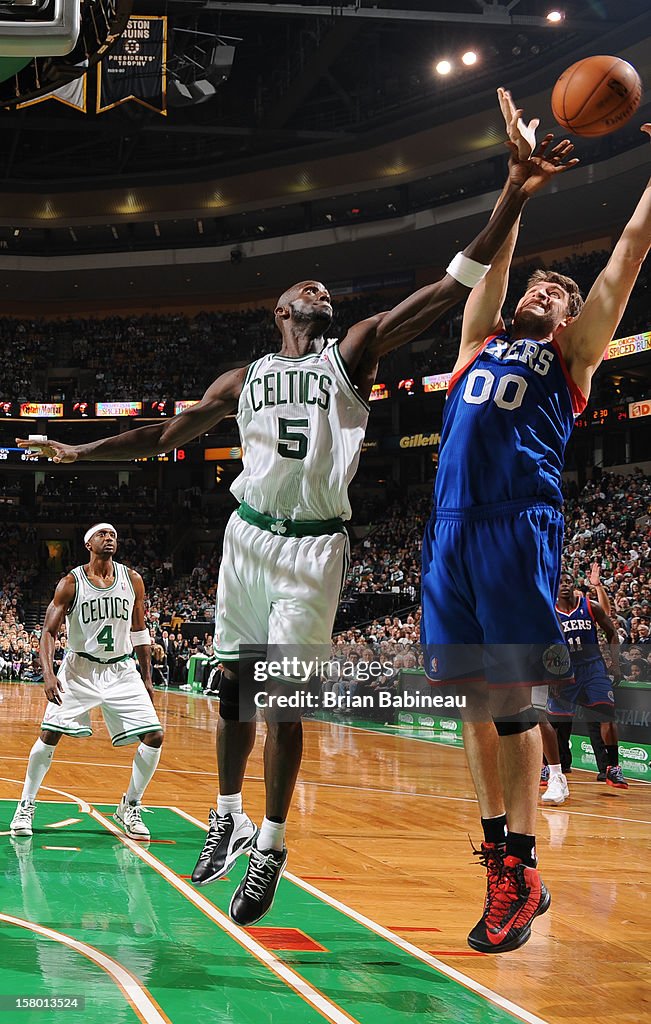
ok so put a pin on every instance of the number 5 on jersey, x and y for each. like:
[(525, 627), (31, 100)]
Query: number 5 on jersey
[(292, 442)]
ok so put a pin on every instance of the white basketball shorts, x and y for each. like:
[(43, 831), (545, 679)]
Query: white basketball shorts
[(117, 689), (275, 590)]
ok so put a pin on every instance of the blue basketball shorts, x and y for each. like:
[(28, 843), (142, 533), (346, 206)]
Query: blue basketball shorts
[(592, 688), (489, 584)]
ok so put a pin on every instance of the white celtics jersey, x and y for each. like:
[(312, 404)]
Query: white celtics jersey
[(302, 424), (99, 619)]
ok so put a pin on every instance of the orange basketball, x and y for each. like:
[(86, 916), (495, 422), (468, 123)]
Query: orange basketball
[(596, 96)]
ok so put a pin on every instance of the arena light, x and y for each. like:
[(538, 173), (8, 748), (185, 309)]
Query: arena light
[(555, 17), (444, 67), (469, 58)]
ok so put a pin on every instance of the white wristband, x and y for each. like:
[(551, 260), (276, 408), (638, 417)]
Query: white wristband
[(36, 439), (141, 638), (466, 271)]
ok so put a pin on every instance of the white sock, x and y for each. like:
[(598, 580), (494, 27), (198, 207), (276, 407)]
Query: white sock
[(231, 804), (554, 769), (145, 764), (272, 835), (40, 759)]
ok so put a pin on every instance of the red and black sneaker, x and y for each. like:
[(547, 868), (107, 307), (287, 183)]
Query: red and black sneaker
[(519, 896), (544, 776), (615, 777), (491, 857)]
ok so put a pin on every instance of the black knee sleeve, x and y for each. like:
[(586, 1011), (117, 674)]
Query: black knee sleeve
[(520, 721), (237, 698)]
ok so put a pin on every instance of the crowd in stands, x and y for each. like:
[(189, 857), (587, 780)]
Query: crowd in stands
[(171, 653), (31, 344), (18, 570), (67, 499), (176, 356), (608, 523)]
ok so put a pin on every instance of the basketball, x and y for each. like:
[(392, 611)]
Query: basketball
[(596, 96)]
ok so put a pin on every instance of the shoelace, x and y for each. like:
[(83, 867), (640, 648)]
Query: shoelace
[(135, 813), (216, 832), (492, 861), (261, 871), (617, 774), (509, 888)]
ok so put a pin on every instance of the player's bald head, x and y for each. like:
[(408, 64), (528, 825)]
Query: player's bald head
[(307, 304), (293, 292)]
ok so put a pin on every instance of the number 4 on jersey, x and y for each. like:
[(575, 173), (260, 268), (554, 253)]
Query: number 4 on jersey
[(105, 638)]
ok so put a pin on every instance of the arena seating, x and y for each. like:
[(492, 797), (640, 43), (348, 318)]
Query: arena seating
[(167, 354)]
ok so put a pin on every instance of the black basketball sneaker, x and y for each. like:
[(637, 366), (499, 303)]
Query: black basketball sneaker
[(255, 895), (229, 835)]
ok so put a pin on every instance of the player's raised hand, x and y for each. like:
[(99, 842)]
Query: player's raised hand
[(521, 136), (52, 688), (595, 575), (533, 174), (54, 450)]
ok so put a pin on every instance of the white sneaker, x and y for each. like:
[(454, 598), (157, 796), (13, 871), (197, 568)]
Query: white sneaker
[(557, 790), (129, 815), (21, 823)]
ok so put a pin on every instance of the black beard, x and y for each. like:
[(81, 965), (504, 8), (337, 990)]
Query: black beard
[(314, 316)]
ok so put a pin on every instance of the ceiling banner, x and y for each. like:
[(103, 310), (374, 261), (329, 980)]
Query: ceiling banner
[(72, 94), (135, 67)]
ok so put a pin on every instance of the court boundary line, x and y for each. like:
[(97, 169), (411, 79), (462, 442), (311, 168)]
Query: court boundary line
[(135, 993), (474, 986), (327, 1008)]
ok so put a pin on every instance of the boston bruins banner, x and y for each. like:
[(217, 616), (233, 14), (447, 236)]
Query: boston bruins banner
[(135, 67)]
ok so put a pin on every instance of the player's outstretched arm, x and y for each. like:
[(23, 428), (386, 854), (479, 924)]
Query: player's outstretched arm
[(594, 579), (421, 309), (378, 336), (606, 624), (219, 401), (138, 625), (482, 315), (585, 339), (64, 596)]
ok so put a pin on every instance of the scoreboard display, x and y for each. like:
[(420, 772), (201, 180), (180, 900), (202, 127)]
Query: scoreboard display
[(602, 416), (18, 455)]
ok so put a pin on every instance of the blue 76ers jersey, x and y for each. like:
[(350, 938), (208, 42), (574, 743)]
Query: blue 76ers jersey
[(580, 632), (508, 416)]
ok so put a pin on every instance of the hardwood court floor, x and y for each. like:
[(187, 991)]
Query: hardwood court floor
[(380, 824)]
